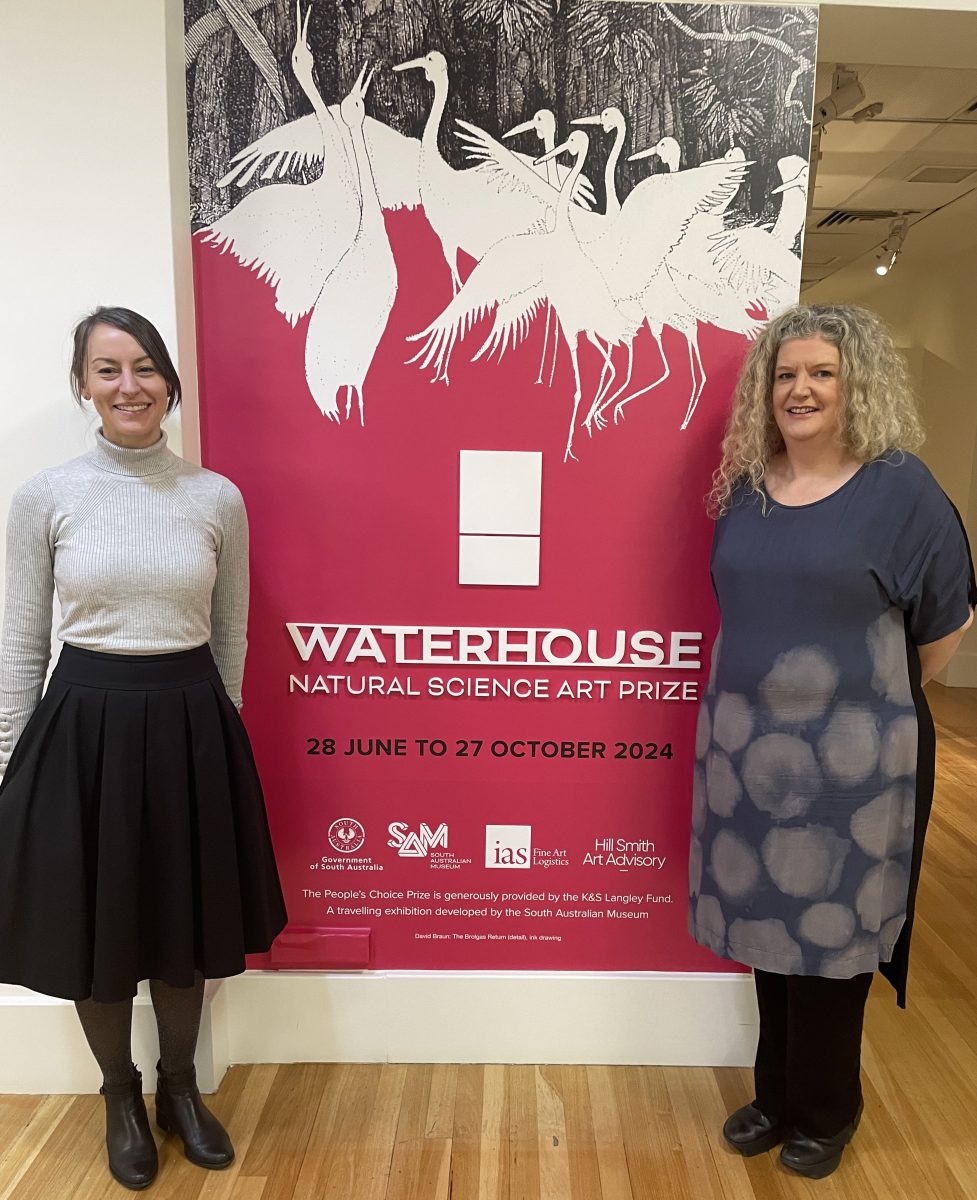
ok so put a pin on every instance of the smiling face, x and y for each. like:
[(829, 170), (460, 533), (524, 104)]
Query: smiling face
[(122, 381), (806, 397)]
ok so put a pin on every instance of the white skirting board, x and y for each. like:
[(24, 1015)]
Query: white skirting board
[(407, 1016), (44, 1049)]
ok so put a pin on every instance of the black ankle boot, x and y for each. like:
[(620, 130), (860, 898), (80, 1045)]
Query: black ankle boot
[(132, 1152), (750, 1131), (179, 1109), (816, 1157)]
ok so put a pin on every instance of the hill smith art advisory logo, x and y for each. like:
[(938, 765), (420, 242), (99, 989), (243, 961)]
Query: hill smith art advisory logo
[(623, 854)]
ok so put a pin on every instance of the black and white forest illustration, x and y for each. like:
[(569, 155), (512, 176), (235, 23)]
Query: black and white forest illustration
[(590, 169)]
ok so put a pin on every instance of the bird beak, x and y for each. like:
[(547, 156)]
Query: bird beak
[(728, 162), (551, 154), (410, 66), (796, 182), (301, 30), (594, 120), (525, 127), (361, 86), (647, 153)]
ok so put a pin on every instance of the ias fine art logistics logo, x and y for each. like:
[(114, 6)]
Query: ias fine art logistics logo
[(508, 846)]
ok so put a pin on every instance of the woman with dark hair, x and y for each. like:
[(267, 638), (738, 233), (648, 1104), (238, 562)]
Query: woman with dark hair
[(133, 837), (844, 583)]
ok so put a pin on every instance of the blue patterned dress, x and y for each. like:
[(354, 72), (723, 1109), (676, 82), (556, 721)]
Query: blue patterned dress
[(815, 747)]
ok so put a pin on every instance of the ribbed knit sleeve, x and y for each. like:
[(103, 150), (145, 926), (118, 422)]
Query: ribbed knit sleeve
[(26, 640), (229, 606)]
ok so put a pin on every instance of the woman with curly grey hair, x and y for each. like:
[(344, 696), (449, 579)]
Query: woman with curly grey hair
[(844, 582)]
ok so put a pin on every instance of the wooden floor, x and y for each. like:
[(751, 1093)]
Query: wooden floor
[(328, 1132)]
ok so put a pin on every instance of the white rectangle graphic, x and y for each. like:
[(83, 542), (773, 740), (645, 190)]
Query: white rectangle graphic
[(502, 561), (500, 491)]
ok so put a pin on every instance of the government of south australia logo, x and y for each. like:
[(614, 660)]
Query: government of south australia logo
[(346, 835), (419, 844)]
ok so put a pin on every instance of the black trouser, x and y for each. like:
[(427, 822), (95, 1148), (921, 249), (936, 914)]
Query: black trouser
[(808, 1056)]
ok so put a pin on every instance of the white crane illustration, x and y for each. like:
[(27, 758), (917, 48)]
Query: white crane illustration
[(351, 313), (294, 235), (543, 124), (474, 209), (734, 279), (759, 266), (516, 275), (298, 144), (663, 256), (655, 219), (611, 120), (664, 303), (793, 171)]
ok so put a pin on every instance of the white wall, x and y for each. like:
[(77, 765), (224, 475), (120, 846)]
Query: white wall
[(929, 302), (86, 204)]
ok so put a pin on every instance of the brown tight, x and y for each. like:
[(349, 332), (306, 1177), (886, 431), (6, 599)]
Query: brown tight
[(108, 1028)]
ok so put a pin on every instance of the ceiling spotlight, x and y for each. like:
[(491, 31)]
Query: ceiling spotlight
[(866, 113), (846, 92), (891, 248)]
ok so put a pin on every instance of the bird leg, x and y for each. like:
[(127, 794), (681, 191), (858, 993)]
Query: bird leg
[(696, 387), (546, 338), (597, 410), (607, 376), (568, 453), (455, 277), (349, 399), (619, 407)]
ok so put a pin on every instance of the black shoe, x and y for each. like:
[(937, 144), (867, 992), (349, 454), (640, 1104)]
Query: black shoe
[(817, 1157), (750, 1132), (133, 1160), (180, 1110)]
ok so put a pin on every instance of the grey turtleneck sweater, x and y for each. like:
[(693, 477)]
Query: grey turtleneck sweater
[(148, 554)]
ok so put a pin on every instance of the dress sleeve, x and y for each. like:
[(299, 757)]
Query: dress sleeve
[(25, 650), (932, 571), (229, 604)]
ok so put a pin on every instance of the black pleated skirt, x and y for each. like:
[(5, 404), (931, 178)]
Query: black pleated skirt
[(133, 837)]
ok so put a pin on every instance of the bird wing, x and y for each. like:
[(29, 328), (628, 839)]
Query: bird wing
[(583, 190), (509, 171), (286, 149), (482, 147), (654, 218), (509, 279), (291, 238), (290, 147), (395, 159), (750, 259)]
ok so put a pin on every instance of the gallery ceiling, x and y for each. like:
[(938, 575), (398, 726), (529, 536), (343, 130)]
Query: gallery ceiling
[(917, 158)]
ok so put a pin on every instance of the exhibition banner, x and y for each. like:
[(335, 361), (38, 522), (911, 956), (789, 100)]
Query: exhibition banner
[(473, 281)]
